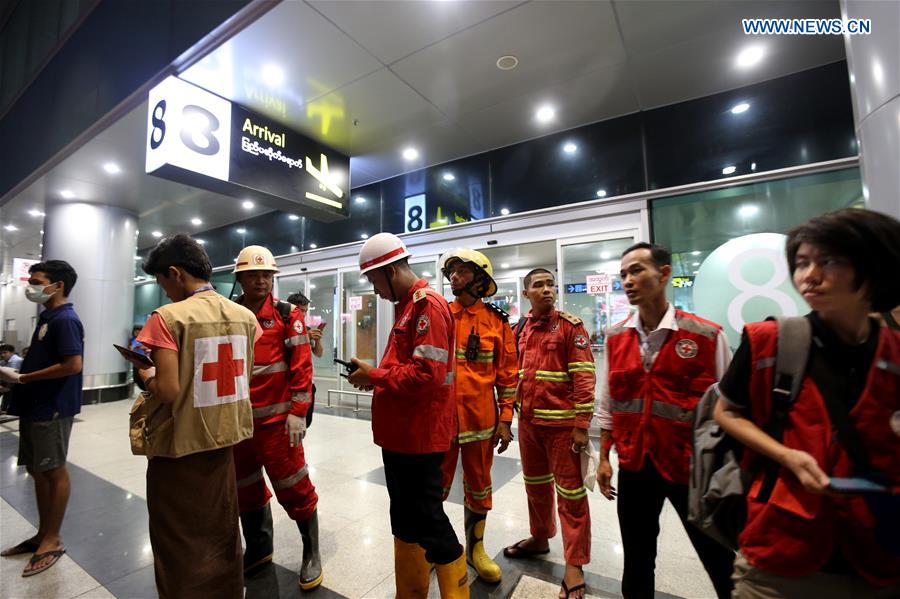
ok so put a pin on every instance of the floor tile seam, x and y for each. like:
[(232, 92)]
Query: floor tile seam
[(380, 582)]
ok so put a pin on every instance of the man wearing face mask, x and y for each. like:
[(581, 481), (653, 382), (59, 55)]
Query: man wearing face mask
[(280, 392), (47, 397), (413, 419)]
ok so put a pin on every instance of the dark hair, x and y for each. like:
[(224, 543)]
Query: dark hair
[(660, 255), (56, 271), (178, 250), (869, 240), (536, 271), (7, 347), (298, 299)]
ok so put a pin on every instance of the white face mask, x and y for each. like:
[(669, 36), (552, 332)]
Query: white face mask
[(36, 294)]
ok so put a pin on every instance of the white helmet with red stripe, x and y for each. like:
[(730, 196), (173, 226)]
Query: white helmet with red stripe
[(381, 250), (255, 257)]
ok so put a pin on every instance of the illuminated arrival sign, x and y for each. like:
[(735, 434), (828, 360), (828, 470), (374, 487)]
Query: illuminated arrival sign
[(197, 138)]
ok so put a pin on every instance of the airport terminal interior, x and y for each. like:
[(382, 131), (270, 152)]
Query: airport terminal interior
[(545, 134)]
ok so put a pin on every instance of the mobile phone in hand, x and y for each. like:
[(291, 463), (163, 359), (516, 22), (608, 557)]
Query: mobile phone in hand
[(321, 326)]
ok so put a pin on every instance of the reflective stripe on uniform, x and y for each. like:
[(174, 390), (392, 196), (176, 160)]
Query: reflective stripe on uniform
[(469, 436), (581, 367), (521, 374), (889, 366), (286, 483), (584, 407), (479, 495), (278, 408), (430, 352), (764, 363), (483, 356), (554, 414), (571, 494), (448, 380), (249, 480), (551, 375), (538, 480), (671, 411), (300, 396), (630, 406), (506, 392), (296, 340), (279, 366)]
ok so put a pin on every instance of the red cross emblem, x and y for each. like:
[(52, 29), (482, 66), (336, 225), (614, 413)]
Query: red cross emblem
[(224, 371)]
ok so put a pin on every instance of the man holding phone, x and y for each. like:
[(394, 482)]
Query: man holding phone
[(315, 334)]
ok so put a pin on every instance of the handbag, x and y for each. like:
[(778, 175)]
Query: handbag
[(137, 419)]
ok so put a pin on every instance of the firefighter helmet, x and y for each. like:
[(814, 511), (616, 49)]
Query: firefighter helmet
[(483, 285), (255, 257)]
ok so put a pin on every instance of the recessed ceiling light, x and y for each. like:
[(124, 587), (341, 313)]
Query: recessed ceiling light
[(605, 255), (360, 200), (425, 273), (201, 241), (156, 233), (364, 236), (449, 177), (601, 193), (504, 211), (293, 248), (545, 114), (196, 221), (507, 63), (35, 212), (67, 194), (695, 264), (112, 168), (312, 285), (293, 217), (739, 108), (695, 253), (240, 230), (11, 228), (752, 166), (410, 153), (748, 210), (696, 271), (569, 148), (504, 265), (749, 57), (728, 170), (247, 205), (273, 75), (313, 246)]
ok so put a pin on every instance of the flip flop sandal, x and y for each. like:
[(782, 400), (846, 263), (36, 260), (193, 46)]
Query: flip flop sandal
[(574, 589), (518, 552), (27, 546), (55, 554)]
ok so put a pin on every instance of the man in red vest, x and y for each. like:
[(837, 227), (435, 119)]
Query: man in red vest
[(659, 363)]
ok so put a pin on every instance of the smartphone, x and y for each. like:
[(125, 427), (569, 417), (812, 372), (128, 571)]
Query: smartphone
[(350, 367), (321, 326), (856, 485), (133, 356)]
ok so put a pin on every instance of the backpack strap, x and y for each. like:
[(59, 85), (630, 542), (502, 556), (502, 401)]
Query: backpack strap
[(285, 309), (517, 330)]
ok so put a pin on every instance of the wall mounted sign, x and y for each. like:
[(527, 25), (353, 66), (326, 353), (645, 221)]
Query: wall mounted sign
[(576, 288), (354, 302), (20, 269), (197, 138), (598, 284), (682, 282)]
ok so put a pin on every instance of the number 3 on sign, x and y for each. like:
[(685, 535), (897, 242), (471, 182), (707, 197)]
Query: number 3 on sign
[(189, 128)]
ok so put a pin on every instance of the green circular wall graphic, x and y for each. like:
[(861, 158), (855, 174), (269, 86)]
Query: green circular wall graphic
[(746, 280)]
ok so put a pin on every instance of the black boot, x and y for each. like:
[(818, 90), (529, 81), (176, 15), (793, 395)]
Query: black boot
[(311, 568), (258, 532)]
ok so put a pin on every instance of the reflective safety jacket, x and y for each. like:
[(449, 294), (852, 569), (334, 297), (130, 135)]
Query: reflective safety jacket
[(413, 406), (494, 367), (556, 371), (653, 411), (795, 532), (282, 366)]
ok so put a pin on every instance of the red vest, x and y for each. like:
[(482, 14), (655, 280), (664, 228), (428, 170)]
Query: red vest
[(795, 532), (653, 412)]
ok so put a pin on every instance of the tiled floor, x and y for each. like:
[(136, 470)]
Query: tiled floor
[(108, 550)]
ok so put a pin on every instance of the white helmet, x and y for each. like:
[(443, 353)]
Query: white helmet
[(380, 250), (255, 257)]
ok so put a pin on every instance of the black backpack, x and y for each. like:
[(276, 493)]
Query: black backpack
[(285, 309)]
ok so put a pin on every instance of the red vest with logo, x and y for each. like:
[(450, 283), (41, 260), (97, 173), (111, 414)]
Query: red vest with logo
[(795, 532), (653, 411)]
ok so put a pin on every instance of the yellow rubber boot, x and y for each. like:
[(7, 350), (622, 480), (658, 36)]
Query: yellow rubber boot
[(453, 579), (411, 570), (487, 569)]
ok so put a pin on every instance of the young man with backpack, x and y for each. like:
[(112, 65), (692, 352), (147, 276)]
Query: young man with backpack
[(660, 361), (280, 393), (828, 524)]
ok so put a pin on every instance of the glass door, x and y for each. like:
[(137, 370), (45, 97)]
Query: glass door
[(322, 315)]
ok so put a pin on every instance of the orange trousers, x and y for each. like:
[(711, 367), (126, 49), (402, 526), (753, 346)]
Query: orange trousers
[(477, 459)]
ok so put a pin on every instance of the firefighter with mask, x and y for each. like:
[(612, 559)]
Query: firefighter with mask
[(280, 396), (485, 362), (413, 420)]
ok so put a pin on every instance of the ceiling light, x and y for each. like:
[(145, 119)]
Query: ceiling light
[(695, 264), (201, 241), (601, 193), (605, 255), (410, 153), (157, 234), (504, 265), (752, 166), (196, 221), (507, 63), (293, 248), (112, 168), (696, 271), (695, 253), (748, 210), (313, 246), (273, 75), (545, 114), (360, 200), (137, 257), (11, 228), (449, 177), (312, 285), (425, 273), (749, 57), (364, 236), (35, 212), (729, 169), (739, 108), (240, 230), (247, 205), (67, 194), (293, 217), (504, 211), (570, 148)]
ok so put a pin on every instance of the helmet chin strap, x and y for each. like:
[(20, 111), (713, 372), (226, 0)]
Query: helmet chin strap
[(390, 286)]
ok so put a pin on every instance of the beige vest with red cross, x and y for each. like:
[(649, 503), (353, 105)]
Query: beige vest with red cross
[(215, 358)]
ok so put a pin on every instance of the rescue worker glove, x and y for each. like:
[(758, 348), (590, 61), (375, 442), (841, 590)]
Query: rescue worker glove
[(503, 436), (295, 429), (9, 375)]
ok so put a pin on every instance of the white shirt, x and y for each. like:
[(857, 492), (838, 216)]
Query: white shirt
[(650, 344)]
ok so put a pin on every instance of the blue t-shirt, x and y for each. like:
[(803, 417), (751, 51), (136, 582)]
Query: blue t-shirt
[(58, 333)]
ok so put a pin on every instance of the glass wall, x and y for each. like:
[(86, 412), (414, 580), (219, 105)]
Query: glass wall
[(359, 318), (322, 314)]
